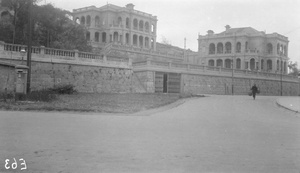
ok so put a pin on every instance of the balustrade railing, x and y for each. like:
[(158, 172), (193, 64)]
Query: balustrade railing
[(60, 53)]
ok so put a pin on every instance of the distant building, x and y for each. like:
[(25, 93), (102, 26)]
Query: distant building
[(246, 47), (119, 25)]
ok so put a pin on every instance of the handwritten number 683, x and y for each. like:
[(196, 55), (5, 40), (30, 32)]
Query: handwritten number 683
[(14, 164)]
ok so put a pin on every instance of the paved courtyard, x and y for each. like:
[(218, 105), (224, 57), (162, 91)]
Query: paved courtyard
[(211, 134)]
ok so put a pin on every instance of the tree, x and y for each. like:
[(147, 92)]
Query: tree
[(164, 40), (293, 66), (51, 27)]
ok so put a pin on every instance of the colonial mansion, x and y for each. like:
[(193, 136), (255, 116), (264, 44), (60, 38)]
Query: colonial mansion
[(240, 48)]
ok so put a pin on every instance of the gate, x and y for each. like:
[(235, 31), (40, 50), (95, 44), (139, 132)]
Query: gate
[(167, 82)]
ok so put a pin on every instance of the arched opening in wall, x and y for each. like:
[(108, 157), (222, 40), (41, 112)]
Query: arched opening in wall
[(82, 20), (252, 64), (228, 47), (285, 50), (119, 20), (211, 63), (88, 20), (152, 43), (212, 48), (281, 49), (135, 40), (277, 66), (147, 27), (220, 48), (238, 47), (281, 66), (104, 37), (269, 48), (116, 37), (135, 24), (238, 63), (262, 63), (269, 65), (96, 36), (127, 38), (146, 42), (278, 48), (152, 28), (284, 67), (77, 20), (88, 36), (141, 41), (227, 63), (97, 21), (127, 22), (246, 46), (141, 25), (219, 63)]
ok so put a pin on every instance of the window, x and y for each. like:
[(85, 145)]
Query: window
[(212, 48), (269, 48), (228, 47), (96, 36), (238, 47), (211, 63), (220, 48), (238, 63), (88, 20)]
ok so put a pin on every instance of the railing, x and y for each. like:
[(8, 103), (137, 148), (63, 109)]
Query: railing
[(194, 68), (60, 53)]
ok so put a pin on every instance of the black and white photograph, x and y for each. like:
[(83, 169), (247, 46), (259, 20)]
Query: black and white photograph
[(149, 86)]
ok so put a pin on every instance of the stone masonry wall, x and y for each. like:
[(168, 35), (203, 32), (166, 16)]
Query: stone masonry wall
[(7, 78), (201, 84), (85, 78)]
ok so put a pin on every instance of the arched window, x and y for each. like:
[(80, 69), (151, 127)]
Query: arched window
[(146, 42), (152, 43), (119, 20), (220, 48), (82, 20), (116, 37), (141, 41), (96, 36), (278, 48), (227, 63), (269, 48), (147, 26), (141, 25), (252, 64), (262, 63), (246, 46), (97, 21), (238, 47), (127, 38), (284, 67), (278, 64), (135, 40), (212, 48), (77, 20), (135, 24), (88, 36), (228, 47), (238, 63), (219, 63), (211, 63), (153, 28), (269, 64), (88, 20), (127, 22), (104, 37)]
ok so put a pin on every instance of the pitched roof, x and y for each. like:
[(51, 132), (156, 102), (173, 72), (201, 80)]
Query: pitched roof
[(247, 30)]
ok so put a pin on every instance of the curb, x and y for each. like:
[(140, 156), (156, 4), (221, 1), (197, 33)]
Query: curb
[(280, 105)]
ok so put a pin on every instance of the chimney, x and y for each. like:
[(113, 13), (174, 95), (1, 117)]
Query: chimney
[(227, 27), (130, 6)]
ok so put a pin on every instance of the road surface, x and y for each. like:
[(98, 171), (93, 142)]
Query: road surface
[(211, 134)]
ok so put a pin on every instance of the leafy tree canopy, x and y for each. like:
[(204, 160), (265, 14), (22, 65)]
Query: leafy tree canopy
[(51, 26)]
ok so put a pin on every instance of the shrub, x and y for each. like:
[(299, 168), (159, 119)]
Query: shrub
[(64, 89), (40, 95)]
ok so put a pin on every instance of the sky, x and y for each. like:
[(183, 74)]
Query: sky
[(179, 19)]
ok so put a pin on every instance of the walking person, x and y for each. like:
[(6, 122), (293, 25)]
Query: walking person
[(254, 91)]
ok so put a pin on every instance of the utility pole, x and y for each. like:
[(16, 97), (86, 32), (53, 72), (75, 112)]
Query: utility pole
[(29, 30)]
